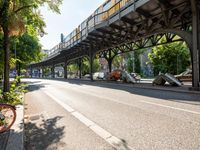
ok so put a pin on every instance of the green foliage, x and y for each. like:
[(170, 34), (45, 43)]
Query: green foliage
[(2, 121), (27, 48), (173, 58), (137, 61), (117, 62), (46, 71), (25, 12), (129, 60), (73, 67), (86, 66), (96, 65), (13, 97), (130, 65), (18, 15)]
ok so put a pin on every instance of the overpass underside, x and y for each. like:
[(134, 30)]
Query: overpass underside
[(138, 24)]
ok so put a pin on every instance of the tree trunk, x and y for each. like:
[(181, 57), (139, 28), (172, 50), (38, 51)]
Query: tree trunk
[(110, 64), (6, 60), (4, 25)]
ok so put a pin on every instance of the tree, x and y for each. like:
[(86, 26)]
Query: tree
[(86, 66), (15, 15), (117, 62), (73, 67), (27, 49), (173, 58), (130, 61), (137, 61)]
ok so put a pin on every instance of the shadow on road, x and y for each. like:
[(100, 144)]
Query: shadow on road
[(45, 135), (180, 97), (4, 139), (35, 87)]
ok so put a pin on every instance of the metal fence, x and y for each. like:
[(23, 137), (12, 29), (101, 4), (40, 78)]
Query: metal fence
[(82, 31)]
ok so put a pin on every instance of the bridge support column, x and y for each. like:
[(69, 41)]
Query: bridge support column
[(110, 59), (110, 65), (80, 67), (43, 72), (195, 45), (31, 72), (40, 72), (91, 59), (108, 56), (65, 70), (53, 71)]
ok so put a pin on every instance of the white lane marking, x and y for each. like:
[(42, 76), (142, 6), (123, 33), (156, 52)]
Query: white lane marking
[(67, 107), (117, 143), (176, 108), (83, 119)]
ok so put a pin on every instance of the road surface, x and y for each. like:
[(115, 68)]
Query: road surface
[(87, 115)]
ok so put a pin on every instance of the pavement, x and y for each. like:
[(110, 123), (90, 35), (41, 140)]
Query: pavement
[(14, 139)]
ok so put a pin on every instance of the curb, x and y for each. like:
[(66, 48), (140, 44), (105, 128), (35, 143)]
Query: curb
[(160, 88), (170, 90)]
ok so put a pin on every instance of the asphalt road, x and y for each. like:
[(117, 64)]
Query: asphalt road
[(145, 119)]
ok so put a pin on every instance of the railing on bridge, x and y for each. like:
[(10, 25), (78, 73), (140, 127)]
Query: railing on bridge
[(103, 13)]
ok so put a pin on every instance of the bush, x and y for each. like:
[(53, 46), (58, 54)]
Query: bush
[(13, 97)]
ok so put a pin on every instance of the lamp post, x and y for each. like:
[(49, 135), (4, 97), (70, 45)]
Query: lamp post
[(15, 60)]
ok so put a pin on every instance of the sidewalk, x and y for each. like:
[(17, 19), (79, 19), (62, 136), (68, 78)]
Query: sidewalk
[(13, 139)]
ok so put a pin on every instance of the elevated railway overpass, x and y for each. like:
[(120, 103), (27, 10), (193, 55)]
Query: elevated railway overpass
[(120, 26)]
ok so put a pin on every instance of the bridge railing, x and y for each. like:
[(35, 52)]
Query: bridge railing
[(82, 31), (98, 18)]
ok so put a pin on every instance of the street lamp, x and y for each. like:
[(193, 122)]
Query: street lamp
[(41, 33)]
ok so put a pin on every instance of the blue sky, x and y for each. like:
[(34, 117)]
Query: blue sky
[(73, 12)]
